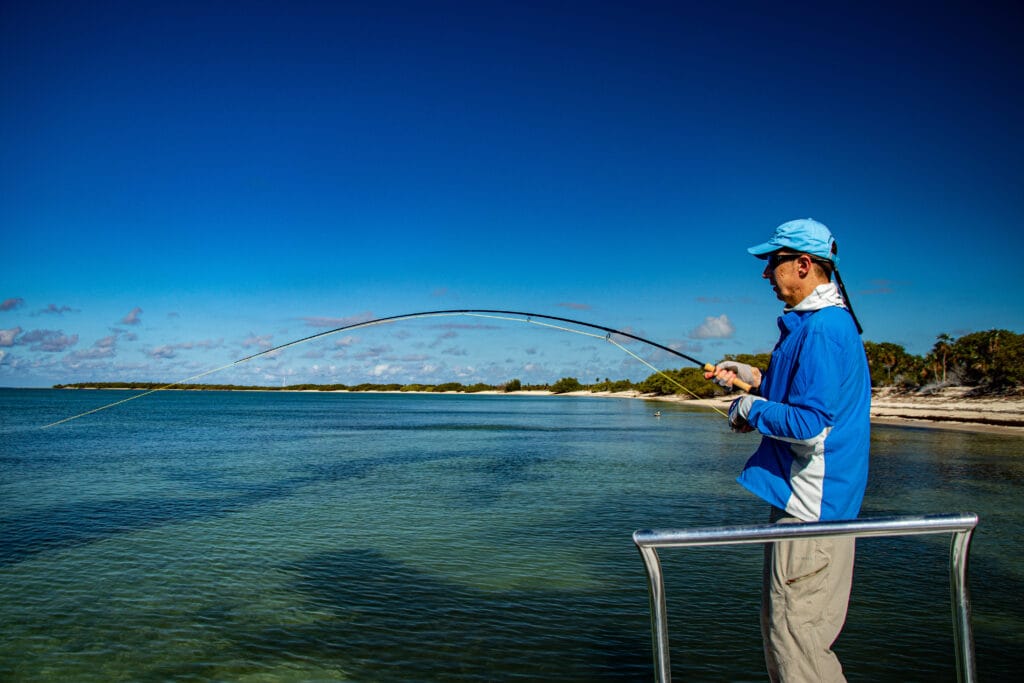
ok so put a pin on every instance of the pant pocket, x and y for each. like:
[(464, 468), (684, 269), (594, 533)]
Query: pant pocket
[(801, 578)]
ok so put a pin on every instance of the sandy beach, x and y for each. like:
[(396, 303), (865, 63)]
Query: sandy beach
[(949, 408)]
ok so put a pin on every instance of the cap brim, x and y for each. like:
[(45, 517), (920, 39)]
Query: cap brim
[(762, 250)]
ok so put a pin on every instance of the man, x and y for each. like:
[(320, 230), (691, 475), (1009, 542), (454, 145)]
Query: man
[(812, 409)]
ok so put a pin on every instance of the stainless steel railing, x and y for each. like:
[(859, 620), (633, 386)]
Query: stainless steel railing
[(960, 525)]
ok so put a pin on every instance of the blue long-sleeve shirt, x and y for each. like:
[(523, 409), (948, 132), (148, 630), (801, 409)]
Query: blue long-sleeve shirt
[(813, 458)]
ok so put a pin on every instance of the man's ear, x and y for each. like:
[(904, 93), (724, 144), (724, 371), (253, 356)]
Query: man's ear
[(805, 265)]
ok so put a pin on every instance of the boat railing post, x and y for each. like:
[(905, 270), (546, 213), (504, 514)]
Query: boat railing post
[(961, 526), (659, 614), (963, 636)]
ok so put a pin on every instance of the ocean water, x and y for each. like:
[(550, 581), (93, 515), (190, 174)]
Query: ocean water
[(217, 536)]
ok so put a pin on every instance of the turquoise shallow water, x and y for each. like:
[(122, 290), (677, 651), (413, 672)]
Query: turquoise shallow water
[(325, 537)]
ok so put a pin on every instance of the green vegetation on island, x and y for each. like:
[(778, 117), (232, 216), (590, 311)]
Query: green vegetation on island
[(989, 362)]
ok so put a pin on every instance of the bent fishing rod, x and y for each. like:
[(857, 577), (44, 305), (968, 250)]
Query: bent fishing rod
[(523, 316)]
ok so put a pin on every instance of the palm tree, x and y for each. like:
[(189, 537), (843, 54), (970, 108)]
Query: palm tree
[(943, 347)]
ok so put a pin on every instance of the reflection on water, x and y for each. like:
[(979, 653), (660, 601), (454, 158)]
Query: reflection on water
[(220, 536)]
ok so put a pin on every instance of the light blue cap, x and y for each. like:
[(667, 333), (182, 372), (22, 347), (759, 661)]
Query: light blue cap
[(805, 235)]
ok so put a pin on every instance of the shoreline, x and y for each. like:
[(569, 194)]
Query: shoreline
[(946, 409)]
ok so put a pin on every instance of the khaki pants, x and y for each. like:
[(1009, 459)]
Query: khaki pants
[(803, 605)]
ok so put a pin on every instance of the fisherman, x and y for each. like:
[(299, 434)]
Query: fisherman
[(811, 407)]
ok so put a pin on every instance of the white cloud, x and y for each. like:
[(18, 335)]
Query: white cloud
[(468, 371), (319, 321), (171, 350), (449, 334), (11, 304), (373, 352), (91, 354), (52, 341), (684, 346), (133, 317), (162, 352), (7, 336), (107, 342), (262, 341), (714, 328), (202, 344), (54, 309), (101, 348)]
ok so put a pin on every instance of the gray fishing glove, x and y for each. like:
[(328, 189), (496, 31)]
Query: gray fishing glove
[(747, 373), (740, 410)]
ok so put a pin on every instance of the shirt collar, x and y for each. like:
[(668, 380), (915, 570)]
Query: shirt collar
[(823, 296)]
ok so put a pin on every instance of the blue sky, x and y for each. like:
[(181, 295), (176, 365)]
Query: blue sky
[(184, 184)]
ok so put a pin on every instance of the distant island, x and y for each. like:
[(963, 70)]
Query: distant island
[(562, 386), (152, 386)]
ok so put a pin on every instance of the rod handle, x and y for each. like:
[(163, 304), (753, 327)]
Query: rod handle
[(736, 382)]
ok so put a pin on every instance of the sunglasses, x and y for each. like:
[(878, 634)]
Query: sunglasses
[(777, 259)]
